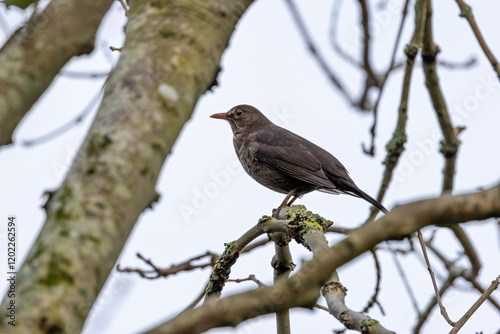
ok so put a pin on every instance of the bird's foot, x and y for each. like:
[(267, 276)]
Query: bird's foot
[(285, 203), (276, 212)]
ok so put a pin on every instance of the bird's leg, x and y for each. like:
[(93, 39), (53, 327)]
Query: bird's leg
[(292, 200), (276, 211)]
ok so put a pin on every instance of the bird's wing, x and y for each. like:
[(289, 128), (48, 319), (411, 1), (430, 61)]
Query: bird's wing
[(292, 160)]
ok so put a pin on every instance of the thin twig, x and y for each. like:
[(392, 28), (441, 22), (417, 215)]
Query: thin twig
[(321, 307), (476, 305), (334, 19), (441, 306), (250, 278), (395, 147), (253, 245), (481, 290), (196, 301), (371, 150), (306, 36), (173, 269), (340, 230), (373, 299), (124, 6), (404, 278), (458, 271), (372, 79), (466, 64), (466, 11), (69, 125), (424, 316), (84, 75), (469, 249), (365, 23)]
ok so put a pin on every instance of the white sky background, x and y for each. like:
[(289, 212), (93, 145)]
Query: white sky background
[(268, 66)]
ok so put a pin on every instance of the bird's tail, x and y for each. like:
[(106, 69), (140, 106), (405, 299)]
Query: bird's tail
[(355, 191)]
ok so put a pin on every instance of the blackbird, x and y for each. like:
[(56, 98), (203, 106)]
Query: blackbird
[(285, 162)]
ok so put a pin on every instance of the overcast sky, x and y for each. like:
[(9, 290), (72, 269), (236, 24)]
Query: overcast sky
[(206, 197)]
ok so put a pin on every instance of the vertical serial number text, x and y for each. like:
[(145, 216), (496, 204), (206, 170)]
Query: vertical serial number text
[(11, 269)]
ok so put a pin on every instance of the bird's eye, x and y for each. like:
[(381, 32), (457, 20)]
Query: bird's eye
[(238, 112)]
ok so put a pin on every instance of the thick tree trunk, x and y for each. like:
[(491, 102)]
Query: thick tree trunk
[(170, 57)]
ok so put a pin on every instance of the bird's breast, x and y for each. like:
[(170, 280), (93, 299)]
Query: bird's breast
[(260, 171)]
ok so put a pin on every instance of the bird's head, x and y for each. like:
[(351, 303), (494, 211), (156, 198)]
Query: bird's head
[(243, 117)]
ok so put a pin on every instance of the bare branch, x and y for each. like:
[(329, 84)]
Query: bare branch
[(392, 66), (283, 266), (466, 11), (317, 55), (467, 64), (321, 307), (196, 301), (469, 250), (334, 19), (365, 23), (251, 278), (450, 144), (39, 64), (479, 288), (404, 278), (124, 6), (395, 146), (222, 267), (85, 75), (434, 284), (373, 299), (340, 230), (67, 126), (301, 290), (476, 305), (424, 316), (173, 269), (313, 238), (254, 245)]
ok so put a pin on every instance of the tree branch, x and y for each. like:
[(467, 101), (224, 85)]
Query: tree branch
[(301, 290), (317, 55), (334, 292), (157, 272), (378, 272), (381, 85), (283, 265), (470, 312), (69, 28), (222, 267), (450, 144), (395, 146), (466, 11), (433, 279)]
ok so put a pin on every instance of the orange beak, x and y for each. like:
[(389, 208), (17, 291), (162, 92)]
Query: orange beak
[(219, 116)]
